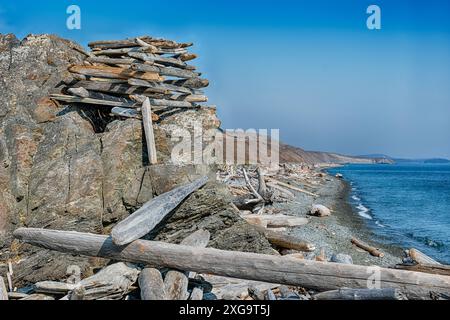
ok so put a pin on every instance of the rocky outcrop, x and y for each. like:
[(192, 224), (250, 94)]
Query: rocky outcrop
[(73, 167)]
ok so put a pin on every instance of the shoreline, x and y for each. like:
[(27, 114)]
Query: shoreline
[(333, 234)]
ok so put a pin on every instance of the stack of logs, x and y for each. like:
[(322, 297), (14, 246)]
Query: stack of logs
[(137, 78)]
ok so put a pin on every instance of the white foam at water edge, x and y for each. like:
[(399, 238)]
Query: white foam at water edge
[(363, 211), (379, 224), (356, 198)]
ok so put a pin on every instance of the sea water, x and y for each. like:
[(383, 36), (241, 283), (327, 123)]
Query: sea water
[(407, 204)]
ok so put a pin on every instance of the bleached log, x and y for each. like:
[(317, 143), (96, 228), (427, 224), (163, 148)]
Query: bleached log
[(3, 290), (115, 73), (113, 44), (112, 281), (152, 213), (251, 188), (427, 268), (277, 220), (17, 295), (286, 241), (162, 87), (291, 187), (152, 59), (361, 294), (84, 93), (38, 297), (164, 71), (79, 92), (151, 284), (149, 133), (421, 258), (196, 294), (319, 276), (373, 251), (194, 83), (281, 189), (176, 282), (53, 287), (72, 99)]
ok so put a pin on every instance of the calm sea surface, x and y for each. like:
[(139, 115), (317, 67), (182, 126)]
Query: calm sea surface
[(408, 204)]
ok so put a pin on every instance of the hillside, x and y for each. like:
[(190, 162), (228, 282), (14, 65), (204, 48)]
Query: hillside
[(297, 155)]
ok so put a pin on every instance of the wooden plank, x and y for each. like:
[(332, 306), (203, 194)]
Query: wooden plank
[(291, 187), (165, 71), (373, 251), (195, 83), (361, 294), (314, 275), (115, 73), (113, 61), (152, 285), (152, 213), (149, 134), (113, 44), (72, 99), (162, 86), (152, 59)]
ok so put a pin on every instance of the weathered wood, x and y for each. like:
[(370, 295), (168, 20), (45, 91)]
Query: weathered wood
[(152, 213), (262, 188), (286, 241), (152, 285), (187, 56), (162, 87), (115, 73), (278, 220), (123, 88), (164, 71), (194, 83), (112, 61), (114, 280), (38, 297), (427, 268), (3, 290), (53, 287), (252, 189), (72, 99), (314, 275), (151, 58), (361, 294), (373, 251), (196, 294), (113, 44), (421, 258), (149, 134), (176, 282), (84, 93), (17, 295), (291, 187), (126, 112)]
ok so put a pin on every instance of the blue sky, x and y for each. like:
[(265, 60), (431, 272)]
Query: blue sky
[(310, 68)]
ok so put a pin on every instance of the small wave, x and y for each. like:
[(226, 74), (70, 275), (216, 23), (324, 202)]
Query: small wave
[(356, 198), (363, 211), (428, 241), (378, 223)]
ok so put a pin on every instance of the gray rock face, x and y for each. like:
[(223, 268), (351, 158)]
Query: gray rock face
[(70, 167)]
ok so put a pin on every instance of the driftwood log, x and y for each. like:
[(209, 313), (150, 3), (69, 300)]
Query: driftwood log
[(3, 291), (151, 284), (115, 73), (427, 268), (152, 213), (149, 133), (176, 282), (361, 294), (319, 276), (285, 241), (373, 251), (421, 258)]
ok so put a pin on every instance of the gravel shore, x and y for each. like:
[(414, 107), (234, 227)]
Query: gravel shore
[(333, 234)]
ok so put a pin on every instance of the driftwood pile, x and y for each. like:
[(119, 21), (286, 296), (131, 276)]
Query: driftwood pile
[(137, 78)]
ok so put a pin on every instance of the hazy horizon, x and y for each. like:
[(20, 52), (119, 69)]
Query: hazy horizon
[(310, 68)]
